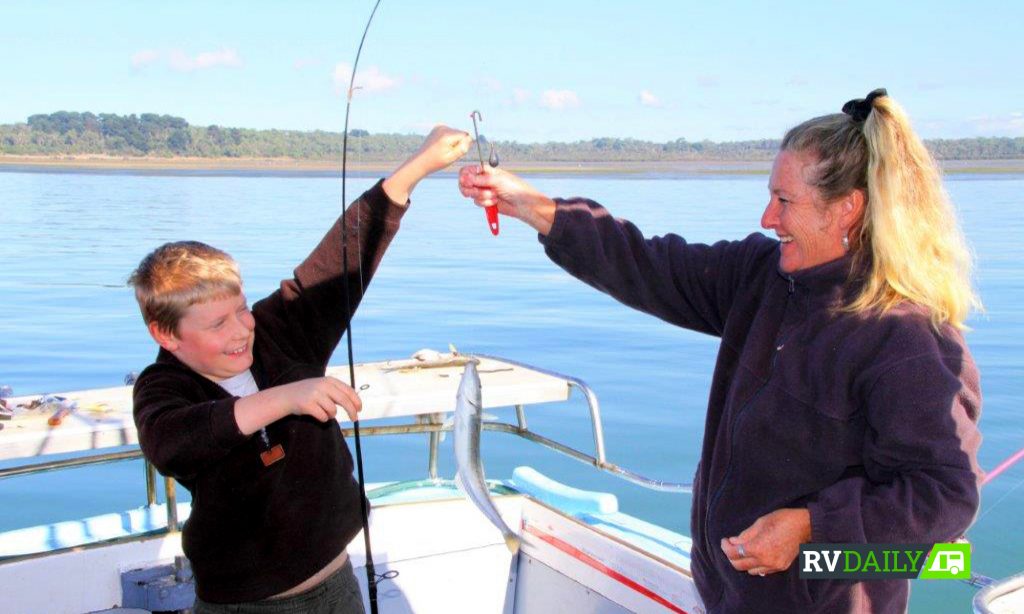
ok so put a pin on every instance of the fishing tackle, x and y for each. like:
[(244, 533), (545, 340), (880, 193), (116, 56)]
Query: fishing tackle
[(1003, 466), (62, 409), (492, 160), (5, 412), (371, 575)]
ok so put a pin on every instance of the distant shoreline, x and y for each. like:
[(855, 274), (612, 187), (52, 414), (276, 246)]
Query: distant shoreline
[(287, 166)]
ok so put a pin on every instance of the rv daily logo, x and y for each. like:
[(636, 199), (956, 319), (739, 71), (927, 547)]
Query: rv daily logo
[(885, 561)]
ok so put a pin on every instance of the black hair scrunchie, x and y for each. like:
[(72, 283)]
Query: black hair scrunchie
[(860, 108)]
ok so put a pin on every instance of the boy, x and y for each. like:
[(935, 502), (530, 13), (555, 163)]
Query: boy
[(237, 408)]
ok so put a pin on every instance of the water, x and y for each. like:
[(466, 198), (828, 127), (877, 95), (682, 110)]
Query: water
[(69, 240)]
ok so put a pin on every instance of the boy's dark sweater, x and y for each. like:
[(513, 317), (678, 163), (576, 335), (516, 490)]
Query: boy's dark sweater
[(257, 531)]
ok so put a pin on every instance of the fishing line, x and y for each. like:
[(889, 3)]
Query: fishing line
[(991, 475), (1001, 499), (1003, 466), (977, 580), (371, 575)]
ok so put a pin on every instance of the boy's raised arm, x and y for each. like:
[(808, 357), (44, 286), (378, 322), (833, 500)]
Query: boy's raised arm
[(308, 315)]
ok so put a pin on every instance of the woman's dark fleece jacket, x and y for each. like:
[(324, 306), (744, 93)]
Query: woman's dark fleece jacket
[(868, 422), (257, 531)]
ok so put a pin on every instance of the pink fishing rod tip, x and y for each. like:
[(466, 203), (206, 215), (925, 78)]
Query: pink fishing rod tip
[(1003, 466)]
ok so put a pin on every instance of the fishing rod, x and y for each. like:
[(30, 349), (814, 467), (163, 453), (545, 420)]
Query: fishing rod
[(371, 574), (978, 580), (1003, 466)]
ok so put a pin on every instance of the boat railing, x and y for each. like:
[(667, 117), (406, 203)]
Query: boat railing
[(103, 458), (433, 424)]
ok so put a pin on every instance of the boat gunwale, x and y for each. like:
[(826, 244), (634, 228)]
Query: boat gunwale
[(163, 532)]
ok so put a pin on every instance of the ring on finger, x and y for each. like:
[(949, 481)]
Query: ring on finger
[(741, 550)]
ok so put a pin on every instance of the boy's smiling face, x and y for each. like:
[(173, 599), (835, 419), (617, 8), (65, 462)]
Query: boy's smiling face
[(213, 338)]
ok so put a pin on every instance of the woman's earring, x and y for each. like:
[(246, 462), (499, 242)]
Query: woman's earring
[(846, 243)]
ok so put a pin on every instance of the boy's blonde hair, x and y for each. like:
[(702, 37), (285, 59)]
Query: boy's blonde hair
[(177, 275)]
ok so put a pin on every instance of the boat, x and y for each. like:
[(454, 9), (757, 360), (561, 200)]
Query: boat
[(1004, 596), (578, 550)]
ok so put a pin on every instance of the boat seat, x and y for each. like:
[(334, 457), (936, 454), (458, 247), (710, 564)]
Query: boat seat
[(72, 533)]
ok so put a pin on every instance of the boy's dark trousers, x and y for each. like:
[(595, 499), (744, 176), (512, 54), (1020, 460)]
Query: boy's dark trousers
[(338, 594)]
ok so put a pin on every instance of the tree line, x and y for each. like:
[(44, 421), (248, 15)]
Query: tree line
[(149, 134)]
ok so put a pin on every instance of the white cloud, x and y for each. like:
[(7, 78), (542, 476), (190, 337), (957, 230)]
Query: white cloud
[(649, 100), (417, 127), (1001, 125), (490, 84), (182, 62), (707, 81), (559, 99), (797, 81), (369, 79), (144, 57), (521, 96), (1009, 124), (223, 57), (179, 61), (303, 63)]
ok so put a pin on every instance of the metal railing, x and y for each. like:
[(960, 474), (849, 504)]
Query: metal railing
[(104, 458), (598, 460), (431, 424)]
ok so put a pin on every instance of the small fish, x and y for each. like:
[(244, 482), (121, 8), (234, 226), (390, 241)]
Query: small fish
[(470, 476)]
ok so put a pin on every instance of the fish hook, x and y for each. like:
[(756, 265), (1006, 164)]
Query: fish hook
[(492, 210)]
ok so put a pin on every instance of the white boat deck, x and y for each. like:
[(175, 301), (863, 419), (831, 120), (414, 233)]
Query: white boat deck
[(579, 552), (437, 542)]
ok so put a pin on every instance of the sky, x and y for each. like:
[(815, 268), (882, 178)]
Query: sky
[(552, 70)]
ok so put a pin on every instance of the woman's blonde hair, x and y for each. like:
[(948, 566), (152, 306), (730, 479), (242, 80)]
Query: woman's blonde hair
[(175, 276), (909, 240)]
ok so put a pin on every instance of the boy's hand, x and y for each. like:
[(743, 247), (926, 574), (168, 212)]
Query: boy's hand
[(320, 397), (442, 146)]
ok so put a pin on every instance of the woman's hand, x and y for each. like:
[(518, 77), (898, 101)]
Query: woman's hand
[(514, 197), (771, 544), (442, 146)]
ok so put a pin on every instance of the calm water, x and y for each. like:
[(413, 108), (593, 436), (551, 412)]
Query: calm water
[(69, 240)]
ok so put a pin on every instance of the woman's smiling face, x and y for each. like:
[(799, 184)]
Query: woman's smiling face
[(808, 228)]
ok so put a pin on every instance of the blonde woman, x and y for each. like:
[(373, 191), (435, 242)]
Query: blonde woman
[(844, 402)]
